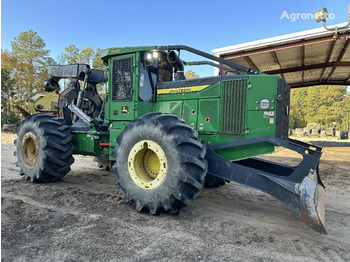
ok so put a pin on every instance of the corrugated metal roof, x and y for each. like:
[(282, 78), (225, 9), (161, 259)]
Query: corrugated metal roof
[(306, 58)]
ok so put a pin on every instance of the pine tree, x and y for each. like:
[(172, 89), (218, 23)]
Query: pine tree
[(29, 50)]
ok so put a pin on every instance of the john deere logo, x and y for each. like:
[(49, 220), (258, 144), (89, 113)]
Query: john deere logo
[(125, 110)]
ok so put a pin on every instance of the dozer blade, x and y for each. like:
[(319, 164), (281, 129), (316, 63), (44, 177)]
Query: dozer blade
[(312, 206), (300, 188)]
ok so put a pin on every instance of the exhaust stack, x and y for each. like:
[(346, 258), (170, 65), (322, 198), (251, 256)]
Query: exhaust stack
[(179, 65)]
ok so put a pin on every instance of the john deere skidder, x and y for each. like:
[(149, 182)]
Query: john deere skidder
[(167, 136)]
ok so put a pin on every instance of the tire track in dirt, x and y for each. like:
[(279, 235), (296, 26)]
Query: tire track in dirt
[(83, 218)]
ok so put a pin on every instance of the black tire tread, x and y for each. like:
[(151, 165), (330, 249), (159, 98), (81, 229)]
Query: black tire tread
[(57, 148), (191, 154)]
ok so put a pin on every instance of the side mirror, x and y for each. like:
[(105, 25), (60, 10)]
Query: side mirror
[(321, 15)]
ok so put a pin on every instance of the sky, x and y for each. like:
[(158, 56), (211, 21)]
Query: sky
[(204, 25)]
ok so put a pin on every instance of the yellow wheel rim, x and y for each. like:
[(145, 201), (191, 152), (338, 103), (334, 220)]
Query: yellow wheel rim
[(147, 164), (30, 148)]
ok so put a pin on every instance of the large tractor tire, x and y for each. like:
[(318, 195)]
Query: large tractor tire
[(160, 163), (44, 148)]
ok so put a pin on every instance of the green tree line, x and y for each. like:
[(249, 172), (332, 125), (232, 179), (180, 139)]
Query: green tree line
[(322, 105), (24, 69)]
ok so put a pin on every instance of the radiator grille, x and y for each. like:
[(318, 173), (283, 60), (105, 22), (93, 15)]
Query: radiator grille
[(233, 106), (122, 80)]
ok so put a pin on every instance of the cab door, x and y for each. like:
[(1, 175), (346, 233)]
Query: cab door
[(121, 95)]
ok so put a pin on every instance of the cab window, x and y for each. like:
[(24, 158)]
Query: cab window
[(147, 81), (154, 68)]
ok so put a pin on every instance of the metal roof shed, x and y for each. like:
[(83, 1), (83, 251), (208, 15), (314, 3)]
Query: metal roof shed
[(306, 58)]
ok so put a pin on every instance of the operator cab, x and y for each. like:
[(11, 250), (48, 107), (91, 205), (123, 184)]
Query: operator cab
[(154, 68)]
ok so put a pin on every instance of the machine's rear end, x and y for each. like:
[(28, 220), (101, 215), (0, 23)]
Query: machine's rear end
[(229, 108), (243, 116)]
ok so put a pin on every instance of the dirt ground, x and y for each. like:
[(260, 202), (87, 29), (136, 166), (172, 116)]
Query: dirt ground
[(83, 218)]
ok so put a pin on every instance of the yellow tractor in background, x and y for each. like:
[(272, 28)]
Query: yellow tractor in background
[(44, 102)]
